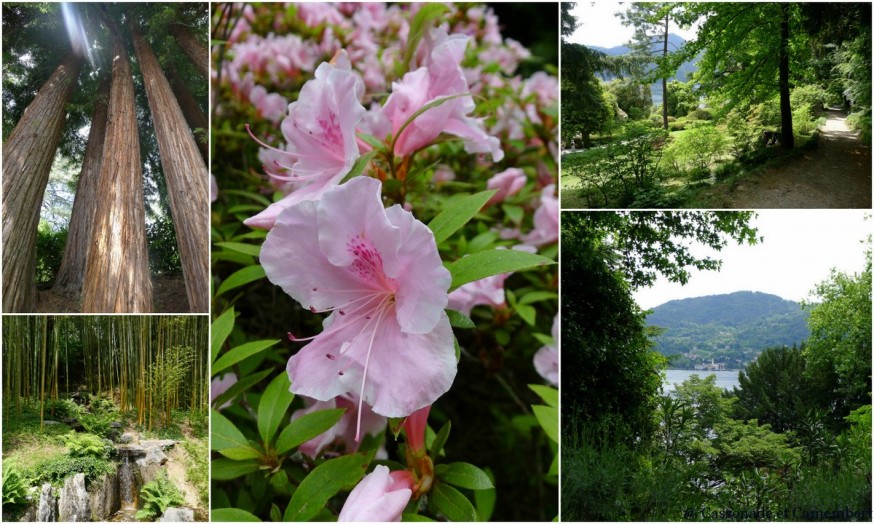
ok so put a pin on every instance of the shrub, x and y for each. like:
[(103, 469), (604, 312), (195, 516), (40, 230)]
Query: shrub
[(64, 408), (98, 423), (86, 445), (158, 495), (861, 122), (811, 95), (744, 135), (803, 120), (50, 250), (696, 149), (56, 470), (14, 486), (700, 114)]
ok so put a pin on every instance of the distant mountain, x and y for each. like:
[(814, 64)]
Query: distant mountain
[(675, 42), (726, 329)]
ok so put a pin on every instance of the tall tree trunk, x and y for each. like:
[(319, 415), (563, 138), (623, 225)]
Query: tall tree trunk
[(193, 114), (788, 138), (186, 173), (68, 281), (27, 160), (664, 79), (117, 277), (192, 47)]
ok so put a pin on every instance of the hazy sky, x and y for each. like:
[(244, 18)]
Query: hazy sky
[(597, 25), (799, 249)]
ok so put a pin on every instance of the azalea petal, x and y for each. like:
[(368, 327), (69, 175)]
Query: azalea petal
[(421, 297)]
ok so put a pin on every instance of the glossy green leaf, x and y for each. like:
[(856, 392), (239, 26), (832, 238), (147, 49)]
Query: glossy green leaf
[(527, 313), (458, 214), (306, 428), (548, 418), (240, 353), (440, 439), (451, 503), (413, 517), (221, 328), (227, 469), (537, 296), (241, 453), (359, 166), (240, 387), (487, 263), (458, 319), (463, 475), (225, 434), (241, 277), (548, 394), (273, 407), (322, 483), (232, 515), (240, 247)]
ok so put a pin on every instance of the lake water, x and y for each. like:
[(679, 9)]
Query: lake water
[(724, 379)]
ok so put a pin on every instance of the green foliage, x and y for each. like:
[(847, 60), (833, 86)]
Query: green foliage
[(631, 96), (14, 486), (86, 445), (164, 377), (98, 423), (50, 251), (682, 99), (197, 467), (803, 120), (158, 495), (56, 470), (163, 253), (697, 149), (744, 445), (773, 389), (811, 95), (745, 135)]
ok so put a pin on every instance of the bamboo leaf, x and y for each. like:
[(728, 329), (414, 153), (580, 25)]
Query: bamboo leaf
[(325, 481), (221, 328), (273, 407), (241, 277), (494, 262), (307, 428), (241, 353), (458, 214)]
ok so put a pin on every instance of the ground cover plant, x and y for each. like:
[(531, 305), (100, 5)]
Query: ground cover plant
[(395, 168)]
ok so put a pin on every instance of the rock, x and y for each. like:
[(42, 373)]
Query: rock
[(177, 515), (51, 422), (163, 444), (73, 504), (29, 514), (151, 464), (47, 509), (128, 438), (104, 497)]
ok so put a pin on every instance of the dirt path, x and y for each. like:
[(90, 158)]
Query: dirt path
[(168, 296), (835, 174)]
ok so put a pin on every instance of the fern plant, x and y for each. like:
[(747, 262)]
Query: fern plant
[(98, 423), (157, 496), (14, 486), (86, 445)]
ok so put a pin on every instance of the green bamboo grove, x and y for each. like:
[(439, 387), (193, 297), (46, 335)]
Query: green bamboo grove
[(152, 365)]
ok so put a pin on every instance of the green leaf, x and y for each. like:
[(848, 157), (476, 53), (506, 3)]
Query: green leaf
[(546, 340), (487, 263), (275, 512), (484, 499), (548, 394), (548, 419), (528, 313), (306, 428), (440, 439), (325, 481), (371, 140), (227, 469), (225, 434), (413, 517), (241, 277), (463, 475), (514, 213), (450, 502), (418, 26), (553, 467), (273, 407), (221, 328), (241, 453), (246, 249), (458, 214), (232, 515), (240, 353), (537, 296), (459, 320), (359, 166), (239, 387)]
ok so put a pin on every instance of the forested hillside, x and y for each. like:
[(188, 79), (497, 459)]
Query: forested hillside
[(730, 329)]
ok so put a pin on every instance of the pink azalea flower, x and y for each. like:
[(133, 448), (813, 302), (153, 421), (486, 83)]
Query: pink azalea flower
[(414, 427), (378, 272), (271, 106), (344, 430), (221, 384), (487, 291), (545, 220), (213, 189), (508, 182), (546, 358), (441, 76), (320, 131), (381, 496), (443, 174)]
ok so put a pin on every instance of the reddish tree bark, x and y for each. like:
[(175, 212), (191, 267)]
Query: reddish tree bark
[(186, 173), (193, 114), (71, 273), (192, 47), (117, 278), (27, 160)]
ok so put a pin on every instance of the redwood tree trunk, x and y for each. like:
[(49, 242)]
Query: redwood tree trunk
[(186, 173), (192, 47), (786, 135), (117, 278), (71, 274), (27, 160), (193, 114)]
